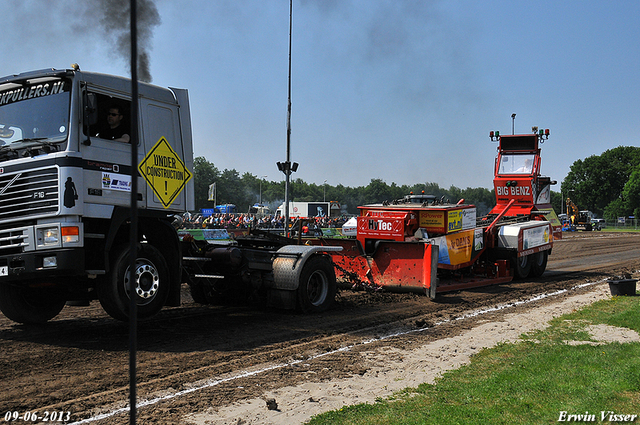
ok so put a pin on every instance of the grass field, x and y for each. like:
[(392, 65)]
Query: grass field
[(620, 229)]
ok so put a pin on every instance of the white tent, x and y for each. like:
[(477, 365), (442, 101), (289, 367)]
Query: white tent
[(350, 228)]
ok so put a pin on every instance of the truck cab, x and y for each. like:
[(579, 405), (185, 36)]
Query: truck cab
[(65, 193), (520, 188)]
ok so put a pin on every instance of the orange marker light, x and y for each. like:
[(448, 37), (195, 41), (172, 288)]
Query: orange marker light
[(70, 234), (70, 231)]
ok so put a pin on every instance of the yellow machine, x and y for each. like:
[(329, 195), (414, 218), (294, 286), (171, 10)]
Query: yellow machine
[(579, 220)]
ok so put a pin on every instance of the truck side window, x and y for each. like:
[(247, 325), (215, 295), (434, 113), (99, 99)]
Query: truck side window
[(113, 119)]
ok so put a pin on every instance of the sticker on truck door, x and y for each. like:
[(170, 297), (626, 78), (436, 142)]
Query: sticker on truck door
[(165, 172), (115, 181)]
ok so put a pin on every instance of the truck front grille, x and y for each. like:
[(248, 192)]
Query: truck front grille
[(14, 241), (29, 193)]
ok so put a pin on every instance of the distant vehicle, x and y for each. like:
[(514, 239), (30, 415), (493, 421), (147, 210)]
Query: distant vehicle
[(259, 210), (580, 220), (226, 209)]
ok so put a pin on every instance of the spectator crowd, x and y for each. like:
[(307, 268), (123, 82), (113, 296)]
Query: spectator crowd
[(247, 220)]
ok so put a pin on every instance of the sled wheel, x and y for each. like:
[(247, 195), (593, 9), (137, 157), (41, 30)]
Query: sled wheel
[(522, 266), (317, 288), (539, 263), (150, 281), (27, 305)]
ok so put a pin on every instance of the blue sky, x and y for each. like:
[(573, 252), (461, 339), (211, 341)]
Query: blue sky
[(401, 90)]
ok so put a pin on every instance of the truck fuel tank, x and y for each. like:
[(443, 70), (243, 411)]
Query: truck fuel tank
[(231, 257)]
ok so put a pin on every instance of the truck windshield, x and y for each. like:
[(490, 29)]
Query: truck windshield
[(34, 113), (516, 164)]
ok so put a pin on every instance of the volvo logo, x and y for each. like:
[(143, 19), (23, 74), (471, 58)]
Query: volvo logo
[(4, 189)]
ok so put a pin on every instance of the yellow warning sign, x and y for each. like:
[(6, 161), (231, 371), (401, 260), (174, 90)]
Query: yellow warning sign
[(165, 172)]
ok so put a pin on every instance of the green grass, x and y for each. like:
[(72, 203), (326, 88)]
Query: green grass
[(619, 229), (528, 382)]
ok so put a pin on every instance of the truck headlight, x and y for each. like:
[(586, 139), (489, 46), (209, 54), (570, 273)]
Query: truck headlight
[(48, 236), (48, 262)]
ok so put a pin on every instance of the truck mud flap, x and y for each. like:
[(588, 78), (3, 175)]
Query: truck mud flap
[(289, 261), (394, 266), (288, 265)]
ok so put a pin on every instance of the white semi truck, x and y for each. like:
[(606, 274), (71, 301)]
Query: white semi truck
[(65, 207)]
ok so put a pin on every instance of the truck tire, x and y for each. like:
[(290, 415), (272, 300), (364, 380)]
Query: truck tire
[(151, 282), (317, 288), (522, 266), (29, 306), (539, 263)]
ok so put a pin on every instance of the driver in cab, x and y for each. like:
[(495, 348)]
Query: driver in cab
[(115, 129)]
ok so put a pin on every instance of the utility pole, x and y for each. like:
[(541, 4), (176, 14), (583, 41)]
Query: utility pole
[(324, 192), (263, 177), (287, 167), (133, 233)]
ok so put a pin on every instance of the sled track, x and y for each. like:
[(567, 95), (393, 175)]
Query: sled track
[(79, 361)]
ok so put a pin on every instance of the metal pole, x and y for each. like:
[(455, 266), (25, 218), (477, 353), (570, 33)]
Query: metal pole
[(288, 170), (133, 235), (513, 124), (263, 177), (324, 192)]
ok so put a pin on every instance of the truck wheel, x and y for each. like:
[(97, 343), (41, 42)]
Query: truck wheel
[(317, 288), (539, 263), (25, 305), (522, 266), (151, 282)]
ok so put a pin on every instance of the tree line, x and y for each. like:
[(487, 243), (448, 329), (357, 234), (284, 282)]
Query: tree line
[(607, 184), (246, 190)]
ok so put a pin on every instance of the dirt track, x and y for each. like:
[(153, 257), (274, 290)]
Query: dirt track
[(79, 361)]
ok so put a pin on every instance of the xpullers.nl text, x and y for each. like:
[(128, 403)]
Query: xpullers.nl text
[(30, 92)]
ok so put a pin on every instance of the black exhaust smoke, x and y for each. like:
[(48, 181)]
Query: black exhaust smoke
[(114, 19)]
